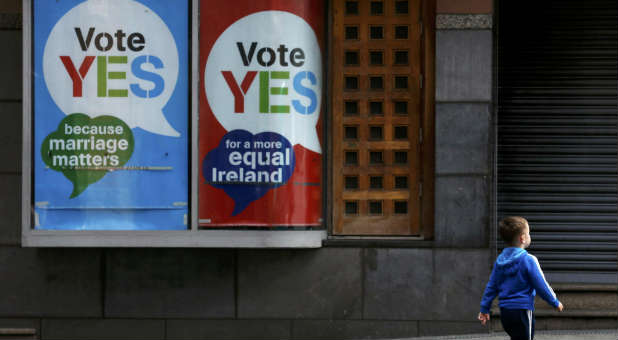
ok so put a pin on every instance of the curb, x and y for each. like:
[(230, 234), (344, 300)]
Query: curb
[(597, 334)]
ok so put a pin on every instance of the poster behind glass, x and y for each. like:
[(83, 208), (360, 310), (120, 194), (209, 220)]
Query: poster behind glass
[(111, 109), (260, 145)]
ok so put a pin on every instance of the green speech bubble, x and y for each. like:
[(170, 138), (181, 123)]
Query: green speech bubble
[(85, 149)]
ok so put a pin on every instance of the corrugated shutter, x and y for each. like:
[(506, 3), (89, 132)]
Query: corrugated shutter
[(557, 134)]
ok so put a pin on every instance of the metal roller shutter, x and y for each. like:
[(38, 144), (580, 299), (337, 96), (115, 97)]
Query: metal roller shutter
[(557, 134)]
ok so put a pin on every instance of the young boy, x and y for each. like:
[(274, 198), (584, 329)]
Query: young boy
[(516, 278)]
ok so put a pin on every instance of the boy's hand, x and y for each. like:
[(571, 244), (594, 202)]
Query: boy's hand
[(560, 307), (485, 317)]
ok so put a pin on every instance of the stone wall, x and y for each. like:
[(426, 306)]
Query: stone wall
[(334, 292)]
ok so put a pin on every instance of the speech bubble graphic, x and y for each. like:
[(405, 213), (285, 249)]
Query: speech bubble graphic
[(114, 58), (264, 73), (246, 166), (85, 149)]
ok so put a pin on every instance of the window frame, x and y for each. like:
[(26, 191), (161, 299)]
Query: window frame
[(192, 237)]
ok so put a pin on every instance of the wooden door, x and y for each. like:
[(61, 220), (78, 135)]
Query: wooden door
[(377, 108)]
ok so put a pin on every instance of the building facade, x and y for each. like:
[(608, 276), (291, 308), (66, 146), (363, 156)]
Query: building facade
[(421, 274)]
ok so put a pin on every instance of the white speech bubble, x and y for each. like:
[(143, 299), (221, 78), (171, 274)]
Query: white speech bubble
[(269, 29), (107, 18)]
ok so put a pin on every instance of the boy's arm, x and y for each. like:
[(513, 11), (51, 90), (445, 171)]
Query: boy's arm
[(536, 277), (491, 290)]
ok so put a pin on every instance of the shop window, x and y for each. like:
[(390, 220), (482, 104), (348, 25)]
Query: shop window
[(378, 136)]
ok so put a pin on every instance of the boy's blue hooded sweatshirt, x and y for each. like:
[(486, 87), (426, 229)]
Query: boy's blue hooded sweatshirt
[(516, 278)]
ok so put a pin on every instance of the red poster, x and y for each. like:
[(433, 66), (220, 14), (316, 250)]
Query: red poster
[(261, 97)]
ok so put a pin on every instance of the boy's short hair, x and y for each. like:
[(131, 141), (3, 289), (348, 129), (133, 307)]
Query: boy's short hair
[(511, 227)]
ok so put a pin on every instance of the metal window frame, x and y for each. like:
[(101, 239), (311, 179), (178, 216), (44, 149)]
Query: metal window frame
[(190, 238)]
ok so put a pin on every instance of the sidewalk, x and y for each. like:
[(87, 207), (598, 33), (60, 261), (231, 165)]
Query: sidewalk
[(599, 334)]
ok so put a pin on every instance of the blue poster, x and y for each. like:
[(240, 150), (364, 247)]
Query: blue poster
[(111, 111)]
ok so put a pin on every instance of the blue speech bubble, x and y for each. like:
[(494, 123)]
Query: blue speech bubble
[(246, 166)]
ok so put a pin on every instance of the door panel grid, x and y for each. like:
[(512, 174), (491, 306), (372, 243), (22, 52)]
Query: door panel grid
[(376, 95)]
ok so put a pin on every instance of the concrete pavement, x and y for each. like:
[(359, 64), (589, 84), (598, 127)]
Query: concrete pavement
[(603, 334)]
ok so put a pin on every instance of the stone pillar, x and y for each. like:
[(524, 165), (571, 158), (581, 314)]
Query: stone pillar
[(464, 137)]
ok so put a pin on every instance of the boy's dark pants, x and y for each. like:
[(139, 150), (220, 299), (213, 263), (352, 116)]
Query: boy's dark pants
[(518, 323)]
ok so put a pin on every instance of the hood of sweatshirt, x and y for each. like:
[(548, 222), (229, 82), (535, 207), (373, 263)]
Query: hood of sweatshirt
[(508, 260)]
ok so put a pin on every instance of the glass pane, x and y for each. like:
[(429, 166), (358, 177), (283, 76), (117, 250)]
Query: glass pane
[(401, 7), (375, 108), (376, 157), (351, 108), (401, 82), (351, 7), (351, 182), (377, 8), (376, 83), (401, 182), (375, 207), (401, 207), (96, 172), (351, 32), (401, 108), (351, 83), (351, 57), (376, 132), (401, 132), (376, 182), (351, 157), (376, 57), (401, 157), (351, 208), (401, 57), (351, 132), (376, 32), (401, 32)]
